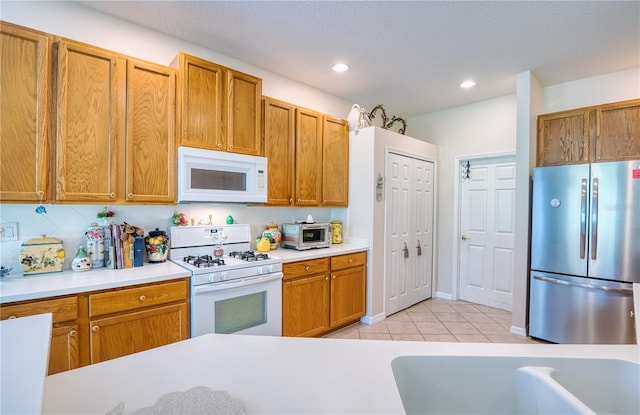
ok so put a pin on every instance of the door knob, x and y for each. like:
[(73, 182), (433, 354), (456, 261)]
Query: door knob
[(465, 238)]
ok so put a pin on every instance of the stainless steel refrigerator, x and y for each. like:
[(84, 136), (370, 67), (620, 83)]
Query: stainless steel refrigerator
[(585, 252)]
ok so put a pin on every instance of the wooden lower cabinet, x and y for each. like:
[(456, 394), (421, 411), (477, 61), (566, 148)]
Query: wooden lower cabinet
[(324, 294), (305, 304), (122, 321), (64, 353), (130, 333)]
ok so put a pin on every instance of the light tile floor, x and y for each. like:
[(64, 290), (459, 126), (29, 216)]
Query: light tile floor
[(439, 320)]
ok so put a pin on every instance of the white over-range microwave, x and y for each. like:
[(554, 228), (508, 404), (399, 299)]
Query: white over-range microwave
[(218, 176)]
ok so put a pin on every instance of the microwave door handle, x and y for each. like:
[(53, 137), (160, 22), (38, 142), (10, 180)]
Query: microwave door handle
[(583, 218), (594, 219)]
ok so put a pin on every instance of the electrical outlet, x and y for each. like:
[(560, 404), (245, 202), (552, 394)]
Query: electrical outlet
[(8, 231)]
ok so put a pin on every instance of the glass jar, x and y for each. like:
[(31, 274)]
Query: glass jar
[(336, 232)]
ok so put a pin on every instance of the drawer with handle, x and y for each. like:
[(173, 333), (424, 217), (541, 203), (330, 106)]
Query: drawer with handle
[(63, 309), (136, 298), (348, 260), (303, 268)]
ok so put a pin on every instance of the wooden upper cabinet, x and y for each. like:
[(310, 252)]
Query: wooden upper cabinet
[(150, 150), (24, 117), (335, 162), (618, 131), (279, 149), (563, 138), (608, 132), (200, 102), (308, 158), (218, 107), (87, 123), (244, 93)]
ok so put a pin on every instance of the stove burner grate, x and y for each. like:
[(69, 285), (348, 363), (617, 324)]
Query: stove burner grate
[(249, 256), (203, 261)]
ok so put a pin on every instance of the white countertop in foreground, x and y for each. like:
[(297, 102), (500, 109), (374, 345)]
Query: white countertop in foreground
[(24, 344), (276, 375), (69, 282)]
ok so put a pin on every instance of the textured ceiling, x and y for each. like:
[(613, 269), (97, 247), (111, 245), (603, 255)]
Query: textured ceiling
[(409, 56)]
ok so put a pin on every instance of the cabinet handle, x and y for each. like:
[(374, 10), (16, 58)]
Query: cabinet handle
[(130, 196), (307, 268), (112, 195), (73, 333), (143, 297), (95, 328), (326, 279), (333, 276), (40, 193), (290, 200), (12, 317), (219, 145), (230, 147), (350, 260)]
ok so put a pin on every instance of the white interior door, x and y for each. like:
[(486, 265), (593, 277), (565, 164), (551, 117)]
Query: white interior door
[(409, 231), (487, 223)]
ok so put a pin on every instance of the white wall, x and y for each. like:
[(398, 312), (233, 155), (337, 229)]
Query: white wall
[(487, 127), (68, 222)]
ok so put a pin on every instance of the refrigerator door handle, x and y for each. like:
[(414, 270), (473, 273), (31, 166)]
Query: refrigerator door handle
[(583, 218), (626, 291), (594, 219)]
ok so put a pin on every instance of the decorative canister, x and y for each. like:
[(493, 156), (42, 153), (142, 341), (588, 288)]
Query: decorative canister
[(94, 235), (157, 243), (82, 261), (41, 255), (336, 232), (272, 233)]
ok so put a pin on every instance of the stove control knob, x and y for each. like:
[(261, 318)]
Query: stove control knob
[(259, 271), (269, 269), (212, 278), (223, 276)]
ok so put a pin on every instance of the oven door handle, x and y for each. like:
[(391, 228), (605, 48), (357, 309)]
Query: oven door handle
[(242, 282)]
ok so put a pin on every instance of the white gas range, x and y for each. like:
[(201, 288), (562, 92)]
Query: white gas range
[(233, 289)]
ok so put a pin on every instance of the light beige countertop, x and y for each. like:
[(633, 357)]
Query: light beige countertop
[(20, 288), (291, 255)]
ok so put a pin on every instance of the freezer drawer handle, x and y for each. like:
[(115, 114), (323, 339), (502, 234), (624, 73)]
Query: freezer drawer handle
[(626, 291), (594, 219), (583, 218)]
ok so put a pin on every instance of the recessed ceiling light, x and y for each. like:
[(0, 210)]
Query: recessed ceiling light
[(340, 67), (467, 84)]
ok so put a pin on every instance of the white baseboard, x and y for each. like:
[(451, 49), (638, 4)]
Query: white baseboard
[(444, 296), (373, 320), (520, 331)]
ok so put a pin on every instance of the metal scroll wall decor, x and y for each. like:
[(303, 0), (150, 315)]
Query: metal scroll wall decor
[(466, 171), (386, 122)]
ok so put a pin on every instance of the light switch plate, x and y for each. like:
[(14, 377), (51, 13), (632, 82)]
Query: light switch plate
[(8, 231)]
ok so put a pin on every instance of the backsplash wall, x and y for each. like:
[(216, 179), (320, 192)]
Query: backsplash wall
[(68, 222)]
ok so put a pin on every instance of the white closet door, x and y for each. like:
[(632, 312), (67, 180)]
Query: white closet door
[(408, 224)]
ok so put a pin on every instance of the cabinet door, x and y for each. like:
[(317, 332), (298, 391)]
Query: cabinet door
[(618, 131), (305, 306), (150, 152), (200, 103), (125, 334), (24, 82), (279, 148), (335, 162), (244, 93), (308, 160), (347, 295), (563, 138), (64, 353), (87, 123)]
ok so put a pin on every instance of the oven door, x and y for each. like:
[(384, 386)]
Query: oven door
[(248, 306)]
